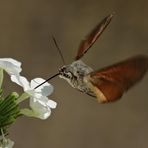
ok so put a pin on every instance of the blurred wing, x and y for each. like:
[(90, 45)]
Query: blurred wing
[(93, 36), (111, 82)]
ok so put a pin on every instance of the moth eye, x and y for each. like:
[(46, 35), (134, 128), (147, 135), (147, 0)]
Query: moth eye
[(62, 69)]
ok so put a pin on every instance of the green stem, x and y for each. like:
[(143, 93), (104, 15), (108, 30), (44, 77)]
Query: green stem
[(23, 97), (28, 112), (1, 77), (2, 133)]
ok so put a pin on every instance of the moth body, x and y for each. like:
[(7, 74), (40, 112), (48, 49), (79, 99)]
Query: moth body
[(75, 73)]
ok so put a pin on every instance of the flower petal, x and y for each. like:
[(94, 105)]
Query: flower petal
[(40, 107), (20, 80), (10, 143), (51, 103), (45, 89), (10, 65), (15, 62), (6, 143)]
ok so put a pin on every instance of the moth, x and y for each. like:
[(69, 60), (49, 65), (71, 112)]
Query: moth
[(107, 84)]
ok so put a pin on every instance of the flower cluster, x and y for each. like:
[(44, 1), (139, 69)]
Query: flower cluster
[(40, 105)]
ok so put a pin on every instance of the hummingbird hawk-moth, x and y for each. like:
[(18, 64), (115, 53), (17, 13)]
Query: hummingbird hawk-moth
[(107, 84)]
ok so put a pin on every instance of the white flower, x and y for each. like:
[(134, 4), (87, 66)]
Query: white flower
[(39, 102), (10, 65), (6, 143)]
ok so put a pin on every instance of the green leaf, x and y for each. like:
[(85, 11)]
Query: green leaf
[(9, 110)]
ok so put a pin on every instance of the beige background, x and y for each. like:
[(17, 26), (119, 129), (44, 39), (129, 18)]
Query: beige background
[(79, 121)]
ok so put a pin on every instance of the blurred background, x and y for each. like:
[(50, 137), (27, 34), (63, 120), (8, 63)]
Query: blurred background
[(79, 121)]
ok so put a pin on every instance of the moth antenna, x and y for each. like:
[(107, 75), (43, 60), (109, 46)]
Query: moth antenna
[(61, 55), (47, 80)]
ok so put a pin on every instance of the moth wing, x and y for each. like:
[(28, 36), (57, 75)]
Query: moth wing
[(93, 36), (111, 82)]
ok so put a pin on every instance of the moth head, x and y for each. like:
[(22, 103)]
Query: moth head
[(65, 72), (76, 70)]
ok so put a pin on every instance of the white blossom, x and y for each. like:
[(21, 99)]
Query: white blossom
[(39, 102)]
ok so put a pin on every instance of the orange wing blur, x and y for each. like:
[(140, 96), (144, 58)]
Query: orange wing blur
[(111, 82), (93, 36)]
